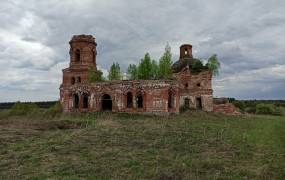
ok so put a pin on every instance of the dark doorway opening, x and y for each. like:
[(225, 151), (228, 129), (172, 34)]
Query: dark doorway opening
[(187, 103), (106, 102), (129, 100), (85, 101), (170, 100), (139, 101), (75, 101), (198, 103)]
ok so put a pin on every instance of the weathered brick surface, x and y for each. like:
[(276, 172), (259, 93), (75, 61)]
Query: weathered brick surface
[(227, 108), (133, 96)]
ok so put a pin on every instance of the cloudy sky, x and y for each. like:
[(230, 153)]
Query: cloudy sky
[(247, 35)]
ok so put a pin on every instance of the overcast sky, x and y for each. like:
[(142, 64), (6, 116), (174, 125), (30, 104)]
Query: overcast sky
[(247, 35)]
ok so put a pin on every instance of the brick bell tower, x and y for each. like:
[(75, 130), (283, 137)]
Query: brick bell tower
[(82, 57), (185, 52)]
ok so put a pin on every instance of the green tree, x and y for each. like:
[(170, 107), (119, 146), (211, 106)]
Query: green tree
[(154, 70), (115, 72), (145, 67), (94, 76), (165, 63), (99, 76), (132, 72), (197, 65), (213, 64)]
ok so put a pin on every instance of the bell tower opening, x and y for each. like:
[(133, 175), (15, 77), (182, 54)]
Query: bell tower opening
[(77, 55), (185, 51)]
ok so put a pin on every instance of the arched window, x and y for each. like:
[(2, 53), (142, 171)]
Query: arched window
[(77, 55), (139, 101), (186, 52), (75, 101), (129, 100), (78, 79), (85, 101), (72, 80)]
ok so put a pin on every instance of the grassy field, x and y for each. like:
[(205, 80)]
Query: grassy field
[(193, 145)]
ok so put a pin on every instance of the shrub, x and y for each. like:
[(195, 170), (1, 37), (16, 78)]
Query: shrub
[(250, 109), (54, 110), (268, 109), (23, 108), (239, 104)]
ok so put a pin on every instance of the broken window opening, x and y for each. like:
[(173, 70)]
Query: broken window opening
[(79, 79), (94, 55), (198, 103), (72, 80), (187, 103), (77, 55), (139, 101), (129, 100), (75, 101), (170, 100), (85, 101)]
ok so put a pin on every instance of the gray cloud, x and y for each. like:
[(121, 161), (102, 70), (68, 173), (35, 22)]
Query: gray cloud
[(248, 37)]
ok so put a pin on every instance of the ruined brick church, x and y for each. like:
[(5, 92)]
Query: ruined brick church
[(186, 89)]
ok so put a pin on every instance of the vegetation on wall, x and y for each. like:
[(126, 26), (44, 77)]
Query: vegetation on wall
[(94, 76), (115, 72), (213, 64), (197, 66), (149, 68)]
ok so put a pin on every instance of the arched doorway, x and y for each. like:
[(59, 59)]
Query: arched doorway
[(139, 101), (85, 101), (129, 100), (75, 101), (106, 102)]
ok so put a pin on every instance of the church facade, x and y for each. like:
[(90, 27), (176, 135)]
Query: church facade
[(185, 90)]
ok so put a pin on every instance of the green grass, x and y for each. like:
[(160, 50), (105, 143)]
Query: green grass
[(194, 145)]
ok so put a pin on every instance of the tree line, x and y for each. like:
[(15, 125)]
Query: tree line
[(149, 68)]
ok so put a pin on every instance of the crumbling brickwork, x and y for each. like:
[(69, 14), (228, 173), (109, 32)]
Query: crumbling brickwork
[(187, 89)]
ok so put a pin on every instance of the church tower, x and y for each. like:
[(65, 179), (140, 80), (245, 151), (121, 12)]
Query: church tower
[(82, 57), (185, 51)]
